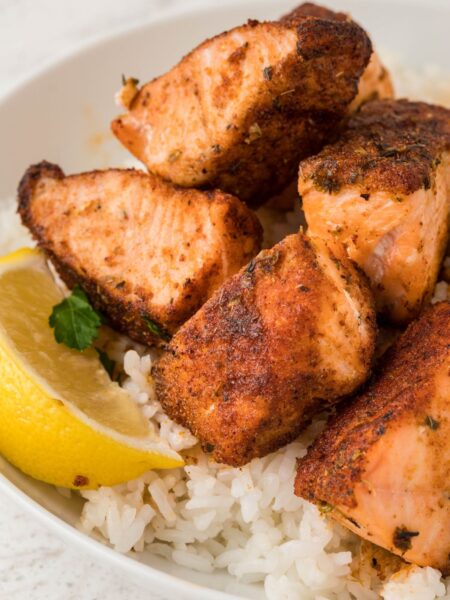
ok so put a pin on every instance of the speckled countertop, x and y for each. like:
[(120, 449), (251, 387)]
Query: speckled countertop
[(34, 563)]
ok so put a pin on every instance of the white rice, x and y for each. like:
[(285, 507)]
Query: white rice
[(246, 521), (414, 582)]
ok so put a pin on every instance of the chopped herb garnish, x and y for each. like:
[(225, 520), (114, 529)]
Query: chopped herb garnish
[(436, 162), (324, 507), (157, 330), (208, 448), (390, 152), (268, 73), (431, 423), (132, 80), (402, 538), (108, 364), (326, 181), (251, 266), (75, 322), (337, 262), (381, 430), (276, 103), (269, 261)]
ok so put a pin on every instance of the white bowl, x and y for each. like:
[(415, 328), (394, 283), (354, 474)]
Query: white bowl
[(62, 114)]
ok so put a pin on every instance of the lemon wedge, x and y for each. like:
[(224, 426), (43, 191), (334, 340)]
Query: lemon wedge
[(62, 420)]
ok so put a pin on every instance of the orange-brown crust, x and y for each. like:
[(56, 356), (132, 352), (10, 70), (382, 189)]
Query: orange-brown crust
[(404, 385), (129, 307), (245, 374), (295, 107), (389, 145), (308, 9), (375, 83)]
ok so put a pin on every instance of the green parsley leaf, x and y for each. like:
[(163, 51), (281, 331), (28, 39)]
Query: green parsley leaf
[(75, 321), (108, 364), (403, 538), (157, 330), (431, 423), (268, 73), (324, 507)]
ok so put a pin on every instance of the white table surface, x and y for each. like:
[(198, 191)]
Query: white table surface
[(34, 563)]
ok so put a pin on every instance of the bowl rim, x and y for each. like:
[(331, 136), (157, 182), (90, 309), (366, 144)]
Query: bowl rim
[(161, 15), (104, 553), (181, 588)]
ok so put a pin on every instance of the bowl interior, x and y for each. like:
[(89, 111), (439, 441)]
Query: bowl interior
[(63, 113)]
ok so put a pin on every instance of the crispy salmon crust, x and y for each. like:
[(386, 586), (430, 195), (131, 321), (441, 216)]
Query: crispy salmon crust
[(291, 333), (148, 254), (389, 145), (375, 82), (382, 461), (383, 190), (309, 9), (242, 109)]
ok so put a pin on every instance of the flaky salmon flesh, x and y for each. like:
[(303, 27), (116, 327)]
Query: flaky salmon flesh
[(383, 190), (240, 110), (147, 254), (289, 335), (382, 466)]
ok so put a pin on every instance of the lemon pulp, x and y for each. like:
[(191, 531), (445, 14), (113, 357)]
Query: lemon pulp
[(62, 419)]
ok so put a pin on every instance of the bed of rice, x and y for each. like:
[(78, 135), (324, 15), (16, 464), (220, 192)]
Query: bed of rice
[(246, 521)]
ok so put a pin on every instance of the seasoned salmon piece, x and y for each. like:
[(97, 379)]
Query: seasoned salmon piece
[(287, 336), (375, 82), (241, 110), (383, 190), (382, 466), (148, 254)]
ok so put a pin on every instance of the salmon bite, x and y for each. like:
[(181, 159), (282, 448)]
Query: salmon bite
[(240, 110), (382, 464), (147, 253), (383, 190), (286, 337)]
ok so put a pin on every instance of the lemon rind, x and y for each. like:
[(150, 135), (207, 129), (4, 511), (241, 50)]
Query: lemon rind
[(142, 453)]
